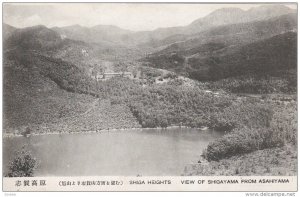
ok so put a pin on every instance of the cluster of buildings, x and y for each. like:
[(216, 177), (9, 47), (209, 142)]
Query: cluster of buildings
[(106, 76)]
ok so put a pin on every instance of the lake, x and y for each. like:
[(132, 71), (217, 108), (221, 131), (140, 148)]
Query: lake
[(146, 152)]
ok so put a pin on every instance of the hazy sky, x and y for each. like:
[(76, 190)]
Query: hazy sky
[(128, 16)]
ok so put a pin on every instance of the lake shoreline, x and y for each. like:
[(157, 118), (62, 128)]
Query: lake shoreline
[(113, 153), (10, 135)]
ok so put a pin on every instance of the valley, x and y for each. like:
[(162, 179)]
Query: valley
[(232, 72)]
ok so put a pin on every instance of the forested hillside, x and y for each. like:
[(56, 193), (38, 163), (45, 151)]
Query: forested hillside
[(232, 71)]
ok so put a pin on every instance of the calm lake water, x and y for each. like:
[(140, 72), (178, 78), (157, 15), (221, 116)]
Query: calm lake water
[(146, 152)]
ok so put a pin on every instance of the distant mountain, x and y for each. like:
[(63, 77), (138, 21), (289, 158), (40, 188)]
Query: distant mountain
[(232, 35), (51, 43), (224, 16), (235, 15), (268, 11), (96, 34), (219, 17), (75, 32), (43, 40), (110, 29)]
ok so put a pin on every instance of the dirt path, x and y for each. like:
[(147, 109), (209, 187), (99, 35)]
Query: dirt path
[(90, 108)]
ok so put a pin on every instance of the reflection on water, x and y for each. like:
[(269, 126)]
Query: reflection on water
[(147, 152)]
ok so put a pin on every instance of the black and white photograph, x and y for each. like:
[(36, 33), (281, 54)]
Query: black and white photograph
[(149, 90)]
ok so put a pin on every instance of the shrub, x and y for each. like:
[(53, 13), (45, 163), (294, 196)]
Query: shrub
[(242, 141), (27, 132), (23, 165), (170, 75), (284, 122)]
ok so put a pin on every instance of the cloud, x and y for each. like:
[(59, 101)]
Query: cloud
[(33, 20)]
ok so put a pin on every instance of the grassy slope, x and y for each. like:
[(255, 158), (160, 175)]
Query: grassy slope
[(268, 162)]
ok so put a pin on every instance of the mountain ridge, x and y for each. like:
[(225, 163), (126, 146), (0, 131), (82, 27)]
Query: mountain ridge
[(218, 17)]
